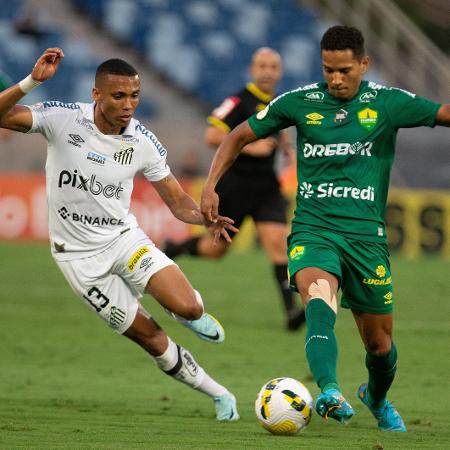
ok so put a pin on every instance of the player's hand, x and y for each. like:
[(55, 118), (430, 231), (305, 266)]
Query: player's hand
[(220, 227), (209, 205), (47, 64)]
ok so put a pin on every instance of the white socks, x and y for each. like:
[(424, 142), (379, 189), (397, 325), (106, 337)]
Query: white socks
[(180, 364)]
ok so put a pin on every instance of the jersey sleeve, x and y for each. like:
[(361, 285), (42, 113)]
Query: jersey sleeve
[(155, 165), (48, 119), (276, 116), (229, 114), (407, 110)]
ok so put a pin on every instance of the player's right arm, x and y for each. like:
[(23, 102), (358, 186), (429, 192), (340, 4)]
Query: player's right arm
[(260, 148), (18, 117), (227, 152)]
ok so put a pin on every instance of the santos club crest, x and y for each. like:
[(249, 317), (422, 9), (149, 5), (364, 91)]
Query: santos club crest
[(124, 156)]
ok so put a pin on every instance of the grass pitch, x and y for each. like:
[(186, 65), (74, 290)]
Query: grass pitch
[(68, 382)]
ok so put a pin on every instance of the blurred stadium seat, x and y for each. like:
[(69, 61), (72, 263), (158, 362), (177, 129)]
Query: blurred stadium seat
[(198, 44), (74, 78)]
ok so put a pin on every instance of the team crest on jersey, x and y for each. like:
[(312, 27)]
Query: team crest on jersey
[(341, 116), (124, 156), (297, 252), (368, 118), (314, 118)]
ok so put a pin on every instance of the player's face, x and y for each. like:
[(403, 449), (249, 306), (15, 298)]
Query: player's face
[(343, 72), (265, 70), (116, 98)]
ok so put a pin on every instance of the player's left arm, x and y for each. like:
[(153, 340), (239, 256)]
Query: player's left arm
[(443, 116), (184, 207)]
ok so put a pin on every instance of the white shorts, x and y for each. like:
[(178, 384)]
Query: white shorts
[(112, 282)]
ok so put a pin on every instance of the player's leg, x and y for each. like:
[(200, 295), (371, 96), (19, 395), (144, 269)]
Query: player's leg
[(272, 236), (170, 287), (381, 363), (178, 363), (202, 246), (146, 269), (315, 271), (318, 290), (367, 290)]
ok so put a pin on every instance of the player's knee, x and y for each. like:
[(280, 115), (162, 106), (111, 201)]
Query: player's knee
[(190, 308), (379, 346)]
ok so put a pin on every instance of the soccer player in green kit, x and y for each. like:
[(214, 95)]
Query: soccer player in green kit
[(346, 132)]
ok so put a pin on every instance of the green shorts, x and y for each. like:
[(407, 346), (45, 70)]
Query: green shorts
[(362, 268)]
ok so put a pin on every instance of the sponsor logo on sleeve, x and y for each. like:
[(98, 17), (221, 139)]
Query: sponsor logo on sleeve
[(367, 97), (297, 252), (315, 96)]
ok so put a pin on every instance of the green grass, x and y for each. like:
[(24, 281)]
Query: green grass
[(68, 382)]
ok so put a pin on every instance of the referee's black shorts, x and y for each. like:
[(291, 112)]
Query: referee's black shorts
[(260, 198)]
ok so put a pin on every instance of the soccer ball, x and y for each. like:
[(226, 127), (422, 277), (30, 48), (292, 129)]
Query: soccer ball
[(284, 406)]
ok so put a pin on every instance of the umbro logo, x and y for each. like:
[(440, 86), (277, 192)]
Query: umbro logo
[(75, 139)]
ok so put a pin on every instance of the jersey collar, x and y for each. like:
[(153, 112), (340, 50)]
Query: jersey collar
[(258, 93)]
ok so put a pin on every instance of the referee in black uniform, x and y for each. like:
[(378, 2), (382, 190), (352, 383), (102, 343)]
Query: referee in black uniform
[(251, 187)]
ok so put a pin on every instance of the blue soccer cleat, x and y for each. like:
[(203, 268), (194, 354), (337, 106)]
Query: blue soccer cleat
[(387, 416), (332, 403), (207, 328), (226, 409)]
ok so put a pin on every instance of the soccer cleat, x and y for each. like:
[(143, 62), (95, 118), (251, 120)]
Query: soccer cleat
[(331, 403), (207, 328), (387, 416), (226, 409)]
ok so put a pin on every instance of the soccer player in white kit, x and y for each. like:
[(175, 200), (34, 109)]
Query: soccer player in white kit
[(94, 151)]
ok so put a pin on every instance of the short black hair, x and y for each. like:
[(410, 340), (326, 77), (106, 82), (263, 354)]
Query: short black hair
[(341, 37), (115, 66)]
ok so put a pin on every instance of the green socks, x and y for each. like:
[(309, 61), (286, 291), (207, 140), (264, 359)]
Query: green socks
[(381, 375), (320, 343)]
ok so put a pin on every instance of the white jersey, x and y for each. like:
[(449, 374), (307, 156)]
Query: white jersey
[(90, 176)]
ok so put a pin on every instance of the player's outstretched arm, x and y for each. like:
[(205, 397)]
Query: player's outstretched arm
[(184, 208), (17, 117), (443, 116), (227, 152)]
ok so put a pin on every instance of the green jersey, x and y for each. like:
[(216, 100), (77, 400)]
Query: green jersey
[(5, 82), (345, 151)]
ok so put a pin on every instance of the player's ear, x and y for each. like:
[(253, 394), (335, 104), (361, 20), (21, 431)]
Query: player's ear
[(365, 64), (95, 94)]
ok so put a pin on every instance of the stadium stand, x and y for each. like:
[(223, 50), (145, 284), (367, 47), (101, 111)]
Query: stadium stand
[(22, 40), (199, 44)]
